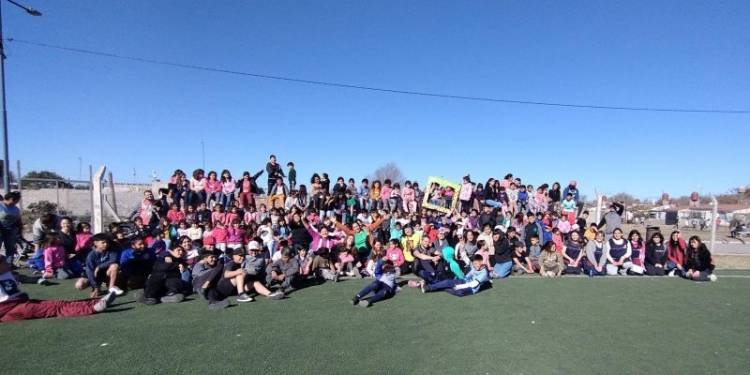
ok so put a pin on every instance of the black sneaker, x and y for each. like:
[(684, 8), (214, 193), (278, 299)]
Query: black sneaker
[(355, 301), (244, 298), (150, 301), (218, 305)]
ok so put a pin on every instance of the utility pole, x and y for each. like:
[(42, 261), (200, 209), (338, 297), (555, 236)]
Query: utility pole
[(6, 151)]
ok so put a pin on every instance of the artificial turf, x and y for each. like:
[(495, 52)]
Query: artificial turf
[(520, 326)]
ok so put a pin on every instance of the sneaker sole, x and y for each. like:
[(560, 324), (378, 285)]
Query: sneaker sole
[(172, 299)]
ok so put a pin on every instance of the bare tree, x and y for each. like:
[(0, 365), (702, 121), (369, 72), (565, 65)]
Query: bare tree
[(388, 171), (625, 198)]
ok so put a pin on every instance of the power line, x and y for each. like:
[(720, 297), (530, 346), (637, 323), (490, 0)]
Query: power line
[(377, 89)]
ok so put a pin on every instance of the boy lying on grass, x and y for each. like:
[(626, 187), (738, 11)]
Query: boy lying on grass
[(16, 305), (472, 283)]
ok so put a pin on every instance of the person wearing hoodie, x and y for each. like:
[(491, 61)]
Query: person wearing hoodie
[(449, 257), (595, 261), (612, 219), (165, 282), (503, 258), (470, 284), (284, 271), (698, 263), (656, 255), (396, 256), (136, 263), (383, 287)]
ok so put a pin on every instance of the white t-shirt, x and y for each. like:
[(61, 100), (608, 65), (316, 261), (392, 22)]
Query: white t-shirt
[(9, 289)]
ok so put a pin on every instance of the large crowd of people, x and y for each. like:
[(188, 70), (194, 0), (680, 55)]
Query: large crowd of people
[(209, 234)]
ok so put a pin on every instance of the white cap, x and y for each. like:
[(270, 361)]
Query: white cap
[(253, 245)]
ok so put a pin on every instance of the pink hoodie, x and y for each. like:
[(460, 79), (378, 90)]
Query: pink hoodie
[(395, 255), (54, 258)]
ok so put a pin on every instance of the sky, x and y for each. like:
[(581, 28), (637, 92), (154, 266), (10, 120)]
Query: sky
[(136, 117)]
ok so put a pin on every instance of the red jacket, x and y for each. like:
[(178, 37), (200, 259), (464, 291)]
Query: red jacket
[(676, 254)]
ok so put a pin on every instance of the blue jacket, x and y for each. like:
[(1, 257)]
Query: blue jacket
[(130, 256), (481, 276), (571, 191), (101, 260)]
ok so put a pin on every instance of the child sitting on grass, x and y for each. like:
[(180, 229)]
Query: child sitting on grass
[(472, 283), (322, 266), (550, 261), (383, 287), (101, 266), (165, 283), (54, 259)]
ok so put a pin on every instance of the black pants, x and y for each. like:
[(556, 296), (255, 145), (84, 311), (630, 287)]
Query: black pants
[(135, 274), (223, 289), (652, 270), (157, 287)]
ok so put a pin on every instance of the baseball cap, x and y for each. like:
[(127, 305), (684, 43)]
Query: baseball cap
[(238, 251), (253, 245)]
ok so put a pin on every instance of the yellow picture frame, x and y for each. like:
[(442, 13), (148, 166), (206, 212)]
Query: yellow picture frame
[(436, 200)]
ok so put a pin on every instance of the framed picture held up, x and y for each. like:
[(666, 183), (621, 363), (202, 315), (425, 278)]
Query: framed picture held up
[(441, 195)]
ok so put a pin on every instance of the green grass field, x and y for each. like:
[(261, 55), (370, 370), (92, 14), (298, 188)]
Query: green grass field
[(520, 326)]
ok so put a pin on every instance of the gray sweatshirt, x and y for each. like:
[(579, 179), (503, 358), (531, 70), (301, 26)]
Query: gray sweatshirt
[(591, 253)]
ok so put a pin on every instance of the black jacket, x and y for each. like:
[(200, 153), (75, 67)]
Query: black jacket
[(656, 255), (698, 259), (163, 270)]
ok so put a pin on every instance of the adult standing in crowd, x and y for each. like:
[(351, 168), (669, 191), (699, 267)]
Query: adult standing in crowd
[(572, 188), (48, 223), (10, 223), (612, 219), (274, 171)]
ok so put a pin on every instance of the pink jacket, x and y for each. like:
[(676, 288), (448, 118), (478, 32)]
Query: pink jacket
[(83, 241), (345, 257), (408, 194), (217, 217), (466, 190), (220, 235), (318, 241), (385, 193), (229, 218), (213, 186), (228, 187), (235, 236), (54, 258), (395, 255)]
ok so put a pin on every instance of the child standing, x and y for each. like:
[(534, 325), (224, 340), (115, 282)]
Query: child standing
[(213, 188), (292, 176), (227, 189)]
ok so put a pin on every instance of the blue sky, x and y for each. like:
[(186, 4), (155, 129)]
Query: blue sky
[(62, 106)]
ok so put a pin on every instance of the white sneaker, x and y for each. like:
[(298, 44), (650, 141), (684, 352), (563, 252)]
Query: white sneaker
[(117, 291), (712, 277), (671, 273)]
